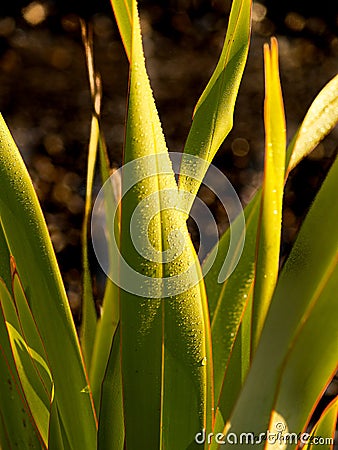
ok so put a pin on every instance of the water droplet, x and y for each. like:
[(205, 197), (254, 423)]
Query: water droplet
[(85, 390), (204, 361)]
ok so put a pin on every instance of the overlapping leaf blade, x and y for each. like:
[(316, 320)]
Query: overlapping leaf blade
[(110, 315), (226, 300), (29, 241), (302, 316), (17, 426), (29, 357), (142, 423), (162, 340), (111, 433), (97, 335), (229, 299), (165, 343)]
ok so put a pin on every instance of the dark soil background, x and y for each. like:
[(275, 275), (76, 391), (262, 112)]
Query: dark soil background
[(44, 96)]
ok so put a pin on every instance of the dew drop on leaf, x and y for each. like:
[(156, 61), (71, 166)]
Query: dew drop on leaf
[(204, 361)]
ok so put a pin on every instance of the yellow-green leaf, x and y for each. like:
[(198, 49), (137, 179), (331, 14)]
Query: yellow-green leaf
[(31, 366), (29, 242), (213, 115), (297, 353), (163, 330), (270, 222), (323, 433), (124, 18), (17, 425), (89, 319), (320, 119)]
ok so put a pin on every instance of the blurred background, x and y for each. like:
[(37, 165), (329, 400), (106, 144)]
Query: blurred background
[(44, 97)]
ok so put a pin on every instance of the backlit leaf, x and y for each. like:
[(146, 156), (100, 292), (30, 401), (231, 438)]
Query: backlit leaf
[(320, 119), (32, 369), (213, 115), (28, 241), (323, 433), (162, 339), (302, 316), (270, 220)]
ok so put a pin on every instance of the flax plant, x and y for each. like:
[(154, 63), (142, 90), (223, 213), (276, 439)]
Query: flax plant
[(184, 355)]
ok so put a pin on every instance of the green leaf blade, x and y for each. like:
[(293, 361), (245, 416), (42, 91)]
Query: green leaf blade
[(270, 222), (29, 241), (89, 318), (17, 426), (324, 430), (123, 11), (31, 367), (229, 299), (163, 346), (213, 116), (320, 119), (302, 315), (111, 433), (110, 311)]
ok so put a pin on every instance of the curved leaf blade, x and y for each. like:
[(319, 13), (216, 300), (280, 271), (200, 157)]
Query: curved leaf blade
[(30, 244), (33, 372), (324, 430), (213, 115), (320, 119), (226, 303), (17, 426), (302, 316)]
